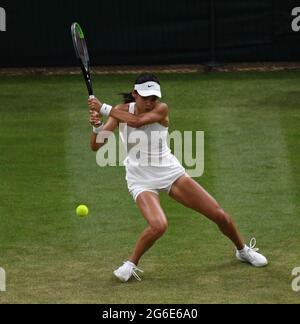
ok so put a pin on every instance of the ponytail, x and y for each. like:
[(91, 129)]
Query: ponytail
[(127, 97)]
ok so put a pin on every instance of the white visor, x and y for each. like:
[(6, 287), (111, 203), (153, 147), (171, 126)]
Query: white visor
[(148, 89)]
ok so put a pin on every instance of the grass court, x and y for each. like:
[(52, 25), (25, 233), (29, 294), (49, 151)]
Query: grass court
[(252, 167)]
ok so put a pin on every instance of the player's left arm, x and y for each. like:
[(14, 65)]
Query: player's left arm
[(156, 115)]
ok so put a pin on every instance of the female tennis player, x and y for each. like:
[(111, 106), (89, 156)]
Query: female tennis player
[(142, 111)]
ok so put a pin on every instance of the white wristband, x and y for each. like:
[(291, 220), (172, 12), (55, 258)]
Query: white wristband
[(97, 130), (105, 110)]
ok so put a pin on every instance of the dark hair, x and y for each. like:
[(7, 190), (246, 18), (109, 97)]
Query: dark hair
[(145, 77)]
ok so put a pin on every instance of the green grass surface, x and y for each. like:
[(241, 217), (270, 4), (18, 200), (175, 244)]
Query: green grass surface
[(252, 167)]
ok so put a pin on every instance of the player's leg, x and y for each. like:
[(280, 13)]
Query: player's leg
[(150, 208), (149, 205), (189, 193)]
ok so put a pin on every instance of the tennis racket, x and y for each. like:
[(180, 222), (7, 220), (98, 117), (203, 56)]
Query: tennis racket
[(82, 55)]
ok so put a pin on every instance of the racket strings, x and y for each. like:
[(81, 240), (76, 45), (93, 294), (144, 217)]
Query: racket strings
[(81, 48)]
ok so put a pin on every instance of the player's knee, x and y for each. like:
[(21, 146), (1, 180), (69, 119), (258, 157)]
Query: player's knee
[(222, 219), (159, 228)]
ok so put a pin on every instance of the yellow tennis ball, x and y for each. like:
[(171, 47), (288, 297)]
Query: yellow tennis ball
[(82, 211)]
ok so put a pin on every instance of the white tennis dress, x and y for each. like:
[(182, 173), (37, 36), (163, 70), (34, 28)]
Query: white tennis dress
[(150, 165)]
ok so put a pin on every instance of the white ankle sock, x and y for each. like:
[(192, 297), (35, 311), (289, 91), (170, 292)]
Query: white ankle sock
[(244, 249), (131, 263)]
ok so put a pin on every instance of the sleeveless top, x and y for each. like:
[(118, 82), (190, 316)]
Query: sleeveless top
[(149, 162), (147, 145)]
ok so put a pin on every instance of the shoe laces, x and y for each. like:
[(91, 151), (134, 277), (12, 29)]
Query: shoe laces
[(133, 272), (253, 244), (252, 248)]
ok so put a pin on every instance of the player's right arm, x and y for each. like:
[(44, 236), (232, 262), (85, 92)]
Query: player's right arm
[(99, 140)]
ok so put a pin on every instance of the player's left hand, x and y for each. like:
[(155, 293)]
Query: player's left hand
[(94, 118), (94, 104)]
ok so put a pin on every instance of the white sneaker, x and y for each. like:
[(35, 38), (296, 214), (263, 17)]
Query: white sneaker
[(126, 271), (250, 255)]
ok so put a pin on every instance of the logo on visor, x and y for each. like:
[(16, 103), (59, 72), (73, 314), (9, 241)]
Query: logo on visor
[(150, 85)]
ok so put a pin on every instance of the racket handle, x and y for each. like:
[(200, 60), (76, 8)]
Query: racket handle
[(92, 97)]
